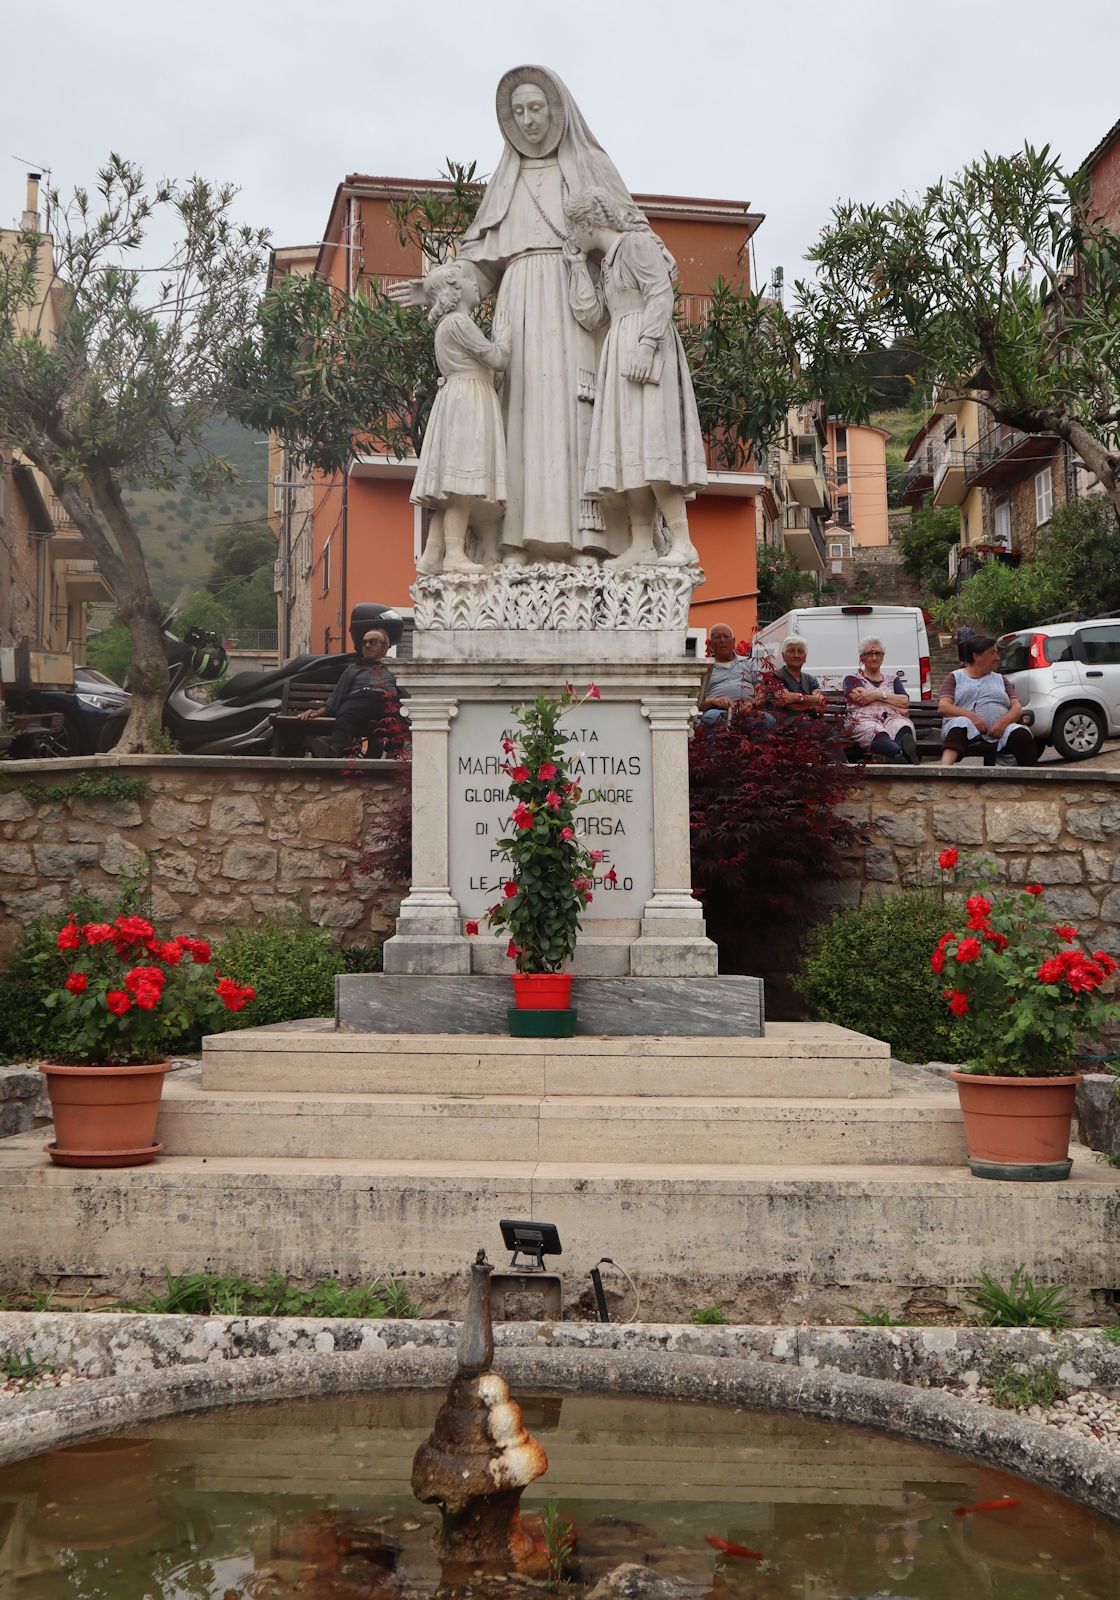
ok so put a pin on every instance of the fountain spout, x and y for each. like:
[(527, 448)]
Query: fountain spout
[(479, 1459)]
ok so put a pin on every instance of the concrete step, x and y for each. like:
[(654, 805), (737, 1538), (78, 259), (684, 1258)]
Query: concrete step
[(769, 1243), (621, 1129), (794, 1060)]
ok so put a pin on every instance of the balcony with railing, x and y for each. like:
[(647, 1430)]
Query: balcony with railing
[(917, 480), (806, 474), (1004, 455), (804, 538), (82, 580), (948, 477)]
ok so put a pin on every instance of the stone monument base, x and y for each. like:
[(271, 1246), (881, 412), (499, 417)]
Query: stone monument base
[(630, 749)]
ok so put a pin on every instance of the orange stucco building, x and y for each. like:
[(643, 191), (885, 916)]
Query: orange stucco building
[(365, 534)]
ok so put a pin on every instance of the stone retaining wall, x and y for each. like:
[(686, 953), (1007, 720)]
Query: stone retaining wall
[(229, 841), (1058, 826)]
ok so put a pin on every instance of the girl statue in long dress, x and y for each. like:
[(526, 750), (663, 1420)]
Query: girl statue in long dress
[(462, 471), (646, 445), (517, 241)]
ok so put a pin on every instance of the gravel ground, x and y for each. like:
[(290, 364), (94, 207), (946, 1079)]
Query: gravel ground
[(1092, 1413)]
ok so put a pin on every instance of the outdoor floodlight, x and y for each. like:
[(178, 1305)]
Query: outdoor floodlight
[(534, 1240)]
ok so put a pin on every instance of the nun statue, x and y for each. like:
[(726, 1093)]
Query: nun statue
[(519, 242)]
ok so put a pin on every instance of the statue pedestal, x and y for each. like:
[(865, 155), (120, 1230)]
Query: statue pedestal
[(631, 749)]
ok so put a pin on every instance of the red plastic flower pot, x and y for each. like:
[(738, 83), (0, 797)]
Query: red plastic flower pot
[(105, 1116), (542, 991), (1017, 1128)]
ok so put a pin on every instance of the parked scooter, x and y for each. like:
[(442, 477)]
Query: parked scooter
[(238, 721)]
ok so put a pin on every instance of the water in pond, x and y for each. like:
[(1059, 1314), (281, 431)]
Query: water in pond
[(311, 1499)]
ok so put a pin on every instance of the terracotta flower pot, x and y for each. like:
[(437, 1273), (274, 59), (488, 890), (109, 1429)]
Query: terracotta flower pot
[(542, 991), (105, 1116), (1017, 1128)]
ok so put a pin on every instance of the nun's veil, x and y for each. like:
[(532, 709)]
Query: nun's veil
[(584, 164)]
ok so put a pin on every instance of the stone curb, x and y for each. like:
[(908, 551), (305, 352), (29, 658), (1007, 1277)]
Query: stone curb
[(535, 1354)]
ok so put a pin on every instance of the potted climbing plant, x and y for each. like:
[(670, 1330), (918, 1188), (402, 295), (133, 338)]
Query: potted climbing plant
[(1029, 997), (549, 874), (128, 998)]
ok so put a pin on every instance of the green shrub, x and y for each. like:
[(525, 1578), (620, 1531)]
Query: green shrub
[(868, 969), (292, 967)]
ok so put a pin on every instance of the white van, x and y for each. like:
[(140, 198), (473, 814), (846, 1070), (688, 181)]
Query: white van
[(833, 635)]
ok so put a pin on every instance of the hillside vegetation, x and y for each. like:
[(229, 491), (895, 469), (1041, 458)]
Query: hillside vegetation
[(178, 526)]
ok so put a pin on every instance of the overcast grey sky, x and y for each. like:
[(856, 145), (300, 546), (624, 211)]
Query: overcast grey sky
[(788, 107)]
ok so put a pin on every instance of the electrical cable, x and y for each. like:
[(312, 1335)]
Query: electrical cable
[(605, 1261)]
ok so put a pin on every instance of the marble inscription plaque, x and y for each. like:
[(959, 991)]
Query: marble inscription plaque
[(611, 759)]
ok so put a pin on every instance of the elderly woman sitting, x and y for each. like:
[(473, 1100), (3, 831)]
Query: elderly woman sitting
[(879, 703), (977, 702)]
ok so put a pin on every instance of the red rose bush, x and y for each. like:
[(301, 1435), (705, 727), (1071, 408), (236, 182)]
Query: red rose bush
[(551, 874), (1017, 980), (129, 996)]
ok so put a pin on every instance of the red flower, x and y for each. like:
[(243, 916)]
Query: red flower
[(978, 906), (1105, 961), (200, 951), (553, 801), (509, 890), (118, 1002), (171, 953), (946, 939), (132, 930), (593, 693), (611, 877), (958, 1002), (144, 978), (96, 932), (1032, 888), (522, 816), (512, 950), (233, 995), (519, 774), (546, 771), (1064, 931), (567, 833), (508, 746), (77, 983), (947, 859), (596, 855), (472, 927), (999, 940), (69, 938), (968, 950), (937, 961), (147, 997)]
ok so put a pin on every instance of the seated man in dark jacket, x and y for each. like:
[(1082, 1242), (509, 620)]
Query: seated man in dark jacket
[(359, 698)]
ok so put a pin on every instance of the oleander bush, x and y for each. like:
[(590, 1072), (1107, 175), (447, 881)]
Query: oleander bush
[(868, 969)]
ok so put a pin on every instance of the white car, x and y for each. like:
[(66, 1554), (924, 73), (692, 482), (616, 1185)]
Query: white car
[(1068, 674)]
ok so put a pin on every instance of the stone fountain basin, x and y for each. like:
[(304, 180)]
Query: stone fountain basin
[(142, 1367)]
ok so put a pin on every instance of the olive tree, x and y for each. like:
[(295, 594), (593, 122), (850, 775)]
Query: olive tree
[(112, 362), (1002, 282)]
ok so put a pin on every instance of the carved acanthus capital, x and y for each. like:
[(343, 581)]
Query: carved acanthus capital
[(555, 598)]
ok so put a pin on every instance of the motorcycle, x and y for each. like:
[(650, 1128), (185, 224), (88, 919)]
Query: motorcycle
[(238, 721)]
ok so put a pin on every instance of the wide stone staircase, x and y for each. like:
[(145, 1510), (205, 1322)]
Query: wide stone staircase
[(783, 1176)]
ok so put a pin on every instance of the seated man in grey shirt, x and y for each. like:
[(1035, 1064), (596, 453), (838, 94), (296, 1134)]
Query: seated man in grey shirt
[(733, 682)]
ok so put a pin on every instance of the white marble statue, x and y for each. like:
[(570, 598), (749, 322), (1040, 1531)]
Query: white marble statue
[(462, 471), (516, 241), (646, 445)]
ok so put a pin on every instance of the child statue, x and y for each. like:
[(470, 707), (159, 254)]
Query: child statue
[(462, 471), (646, 444)]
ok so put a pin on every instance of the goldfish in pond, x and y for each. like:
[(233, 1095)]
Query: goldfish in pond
[(726, 1549), (1004, 1503)]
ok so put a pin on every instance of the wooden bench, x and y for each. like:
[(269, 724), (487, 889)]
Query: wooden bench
[(290, 735), (927, 722)]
